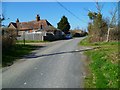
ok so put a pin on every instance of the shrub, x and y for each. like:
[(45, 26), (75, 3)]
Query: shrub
[(8, 38)]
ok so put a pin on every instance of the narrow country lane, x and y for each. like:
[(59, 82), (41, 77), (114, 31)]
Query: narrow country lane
[(55, 66)]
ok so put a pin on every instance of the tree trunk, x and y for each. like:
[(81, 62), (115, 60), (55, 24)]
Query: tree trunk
[(108, 34)]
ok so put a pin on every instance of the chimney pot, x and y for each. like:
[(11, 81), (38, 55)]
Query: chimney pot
[(38, 17), (17, 21)]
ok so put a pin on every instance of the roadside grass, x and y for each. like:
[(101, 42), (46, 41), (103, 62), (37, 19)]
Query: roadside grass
[(103, 65), (30, 41), (16, 52)]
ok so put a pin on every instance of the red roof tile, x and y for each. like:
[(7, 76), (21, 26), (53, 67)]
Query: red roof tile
[(32, 25)]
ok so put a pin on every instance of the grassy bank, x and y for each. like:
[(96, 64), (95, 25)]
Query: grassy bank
[(15, 52), (103, 65)]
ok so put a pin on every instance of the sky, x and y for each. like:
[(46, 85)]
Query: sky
[(76, 12)]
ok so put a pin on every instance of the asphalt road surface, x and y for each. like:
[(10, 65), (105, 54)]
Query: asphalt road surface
[(57, 65)]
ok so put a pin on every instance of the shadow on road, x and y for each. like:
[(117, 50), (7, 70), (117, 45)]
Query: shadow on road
[(51, 54)]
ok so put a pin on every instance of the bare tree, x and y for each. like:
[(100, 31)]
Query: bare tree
[(99, 6), (113, 21), (1, 19)]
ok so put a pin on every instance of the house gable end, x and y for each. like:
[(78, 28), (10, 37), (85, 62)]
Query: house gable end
[(11, 25)]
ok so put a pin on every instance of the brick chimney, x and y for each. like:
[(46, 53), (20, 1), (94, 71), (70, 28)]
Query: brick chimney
[(38, 17), (17, 21)]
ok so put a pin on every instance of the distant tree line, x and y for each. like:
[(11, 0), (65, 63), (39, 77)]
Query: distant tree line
[(64, 25)]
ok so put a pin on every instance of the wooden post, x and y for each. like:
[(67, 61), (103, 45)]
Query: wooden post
[(24, 38)]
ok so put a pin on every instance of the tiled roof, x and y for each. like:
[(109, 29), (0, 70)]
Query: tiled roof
[(42, 24)]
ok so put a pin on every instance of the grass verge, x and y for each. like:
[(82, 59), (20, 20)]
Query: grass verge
[(103, 65), (15, 52)]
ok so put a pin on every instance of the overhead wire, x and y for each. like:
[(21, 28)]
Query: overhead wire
[(70, 12)]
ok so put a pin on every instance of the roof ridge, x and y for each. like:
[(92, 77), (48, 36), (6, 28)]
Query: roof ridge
[(32, 24)]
